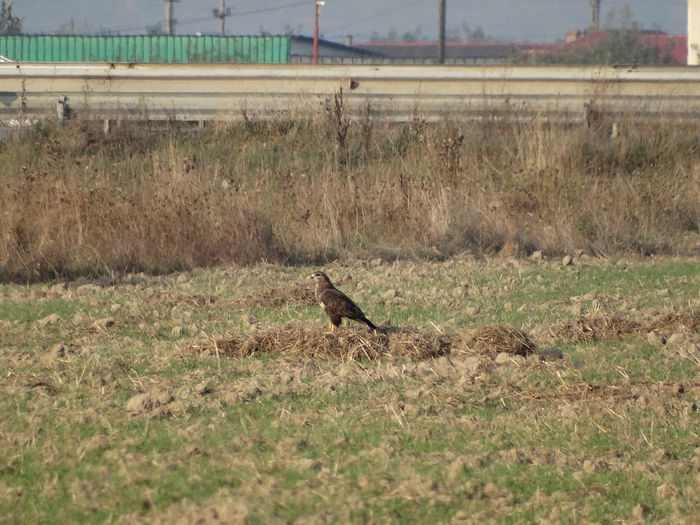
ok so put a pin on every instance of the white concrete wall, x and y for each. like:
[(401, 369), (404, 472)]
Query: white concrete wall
[(693, 32)]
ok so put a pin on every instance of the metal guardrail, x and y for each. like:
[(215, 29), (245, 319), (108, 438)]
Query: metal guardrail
[(229, 92)]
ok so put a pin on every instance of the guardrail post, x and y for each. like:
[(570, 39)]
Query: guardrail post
[(63, 110)]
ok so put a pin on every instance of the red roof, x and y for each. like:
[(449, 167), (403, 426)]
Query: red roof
[(674, 47)]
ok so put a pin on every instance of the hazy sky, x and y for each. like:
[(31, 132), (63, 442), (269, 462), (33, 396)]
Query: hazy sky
[(512, 20)]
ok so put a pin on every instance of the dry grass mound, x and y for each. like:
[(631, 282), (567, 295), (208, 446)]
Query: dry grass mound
[(358, 343), (684, 321), (598, 328), (496, 339)]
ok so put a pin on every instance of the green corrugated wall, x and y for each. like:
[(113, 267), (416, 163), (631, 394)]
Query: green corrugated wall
[(147, 49)]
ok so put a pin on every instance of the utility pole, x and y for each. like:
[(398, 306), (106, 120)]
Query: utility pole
[(221, 13), (595, 15), (441, 38), (169, 20), (314, 52)]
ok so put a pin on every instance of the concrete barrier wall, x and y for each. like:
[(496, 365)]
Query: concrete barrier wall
[(223, 92)]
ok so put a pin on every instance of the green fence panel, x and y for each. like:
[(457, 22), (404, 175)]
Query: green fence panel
[(147, 49)]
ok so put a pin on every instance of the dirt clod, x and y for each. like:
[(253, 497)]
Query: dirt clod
[(148, 401)]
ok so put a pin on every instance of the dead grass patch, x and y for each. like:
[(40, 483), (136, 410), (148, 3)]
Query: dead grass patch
[(608, 327), (301, 294), (496, 339), (672, 322), (176, 299), (596, 328), (357, 343)]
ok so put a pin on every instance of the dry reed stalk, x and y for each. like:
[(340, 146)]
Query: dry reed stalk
[(144, 200)]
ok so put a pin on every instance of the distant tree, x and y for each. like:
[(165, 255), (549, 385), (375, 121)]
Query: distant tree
[(413, 36), (391, 36), (453, 34), (620, 45), (290, 30), (155, 29), (9, 24), (622, 19), (475, 35), (83, 28)]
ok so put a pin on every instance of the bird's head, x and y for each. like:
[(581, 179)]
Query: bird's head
[(321, 278)]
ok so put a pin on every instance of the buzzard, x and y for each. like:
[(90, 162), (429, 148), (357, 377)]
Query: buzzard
[(336, 304)]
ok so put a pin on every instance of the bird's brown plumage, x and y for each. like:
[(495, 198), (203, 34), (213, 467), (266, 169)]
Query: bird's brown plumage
[(336, 304)]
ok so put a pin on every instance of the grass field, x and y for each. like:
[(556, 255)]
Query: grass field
[(215, 396)]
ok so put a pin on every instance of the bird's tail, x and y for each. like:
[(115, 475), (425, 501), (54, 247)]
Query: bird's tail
[(368, 323)]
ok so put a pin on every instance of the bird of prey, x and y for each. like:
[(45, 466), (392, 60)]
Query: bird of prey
[(336, 304)]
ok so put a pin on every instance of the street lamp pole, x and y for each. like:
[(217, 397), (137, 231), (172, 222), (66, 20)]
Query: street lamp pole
[(317, 5)]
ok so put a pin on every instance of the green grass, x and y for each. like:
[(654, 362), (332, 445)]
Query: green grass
[(287, 438)]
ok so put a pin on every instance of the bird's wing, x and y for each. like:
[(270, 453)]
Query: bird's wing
[(338, 303)]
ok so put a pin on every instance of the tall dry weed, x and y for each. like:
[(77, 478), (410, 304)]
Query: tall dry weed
[(161, 198)]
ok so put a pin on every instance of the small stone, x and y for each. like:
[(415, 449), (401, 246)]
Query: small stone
[(666, 491), (506, 358), (148, 401), (376, 262), (536, 255), (656, 338), (250, 321), (551, 354), (641, 512), (567, 260), (102, 324), (473, 365), (58, 350), (661, 455), (455, 470), (49, 319), (677, 338), (80, 317), (182, 278), (390, 294), (503, 357), (591, 467), (472, 310)]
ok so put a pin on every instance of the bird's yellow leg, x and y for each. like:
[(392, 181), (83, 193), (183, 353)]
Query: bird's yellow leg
[(331, 326)]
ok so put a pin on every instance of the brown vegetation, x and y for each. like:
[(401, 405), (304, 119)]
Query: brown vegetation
[(159, 199), (353, 343)]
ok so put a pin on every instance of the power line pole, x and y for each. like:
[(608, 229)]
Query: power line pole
[(441, 38), (221, 13), (595, 15), (169, 20)]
